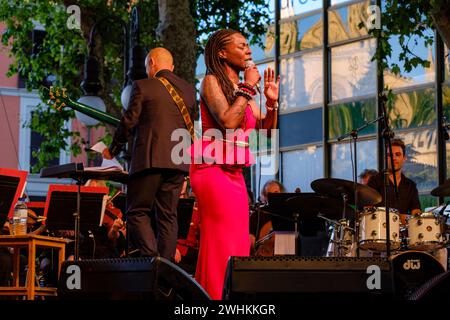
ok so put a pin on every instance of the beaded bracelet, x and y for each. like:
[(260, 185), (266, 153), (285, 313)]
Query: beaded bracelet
[(245, 86), (242, 93), (273, 108)]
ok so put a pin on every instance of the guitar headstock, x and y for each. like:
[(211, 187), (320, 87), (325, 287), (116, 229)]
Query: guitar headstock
[(56, 97)]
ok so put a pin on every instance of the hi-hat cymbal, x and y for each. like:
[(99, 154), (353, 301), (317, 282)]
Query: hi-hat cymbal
[(335, 188), (443, 190)]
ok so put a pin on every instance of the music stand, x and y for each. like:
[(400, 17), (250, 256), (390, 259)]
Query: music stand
[(280, 213), (62, 202), (184, 216), (12, 185), (77, 172)]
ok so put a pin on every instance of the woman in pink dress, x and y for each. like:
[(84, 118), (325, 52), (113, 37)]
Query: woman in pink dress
[(219, 184)]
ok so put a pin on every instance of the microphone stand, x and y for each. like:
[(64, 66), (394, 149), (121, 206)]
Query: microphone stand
[(354, 134), (387, 136)]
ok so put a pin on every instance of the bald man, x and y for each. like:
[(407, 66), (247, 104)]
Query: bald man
[(155, 181)]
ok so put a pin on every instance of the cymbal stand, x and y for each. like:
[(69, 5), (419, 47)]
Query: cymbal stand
[(354, 134), (295, 215)]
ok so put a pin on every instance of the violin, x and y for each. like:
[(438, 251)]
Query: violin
[(111, 212)]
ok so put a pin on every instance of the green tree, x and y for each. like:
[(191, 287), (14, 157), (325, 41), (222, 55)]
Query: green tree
[(180, 25), (407, 19)]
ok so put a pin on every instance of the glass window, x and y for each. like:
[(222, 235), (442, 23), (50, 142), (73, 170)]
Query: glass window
[(291, 8), (427, 202), (352, 72), (301, 81), (299, 128), (258, 170), (446, 109), (342, 158), (343, 22), (268, 49), (304, 33), (446, 101), (288, 37), (334, 2), (413, 109), (345, 117), (301, 167), (310, 34), (421, 163), (417, 75)]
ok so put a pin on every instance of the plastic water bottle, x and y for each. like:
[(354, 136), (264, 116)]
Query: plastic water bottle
[(19, 221)]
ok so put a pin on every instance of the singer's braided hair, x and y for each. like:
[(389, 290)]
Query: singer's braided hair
[(215, 65)]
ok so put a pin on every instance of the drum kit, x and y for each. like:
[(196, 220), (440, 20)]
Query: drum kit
[(363, 233), (426, 232)]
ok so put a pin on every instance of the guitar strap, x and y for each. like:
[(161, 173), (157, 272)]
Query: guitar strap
[(180, 104)]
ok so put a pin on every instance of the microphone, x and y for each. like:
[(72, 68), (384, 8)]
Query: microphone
[(251, 64)]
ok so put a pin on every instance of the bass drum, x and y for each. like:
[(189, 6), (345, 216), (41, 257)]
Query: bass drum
[(411, 269)]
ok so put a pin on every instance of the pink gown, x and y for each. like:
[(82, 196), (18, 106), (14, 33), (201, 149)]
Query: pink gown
[(224, 213)]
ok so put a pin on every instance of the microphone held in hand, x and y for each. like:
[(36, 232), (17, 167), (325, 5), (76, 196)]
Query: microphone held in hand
[(251, 64)]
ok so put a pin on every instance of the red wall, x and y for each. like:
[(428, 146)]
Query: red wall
[(9, 131)]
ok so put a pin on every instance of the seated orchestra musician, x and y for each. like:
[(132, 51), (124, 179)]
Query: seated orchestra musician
[(187, 249), (260, 223), (312, 231), (110, 238)]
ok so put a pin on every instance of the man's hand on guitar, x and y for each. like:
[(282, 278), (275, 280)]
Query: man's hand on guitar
[(106, 154)]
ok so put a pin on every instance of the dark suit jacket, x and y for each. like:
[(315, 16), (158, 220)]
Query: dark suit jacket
[(153, 116)]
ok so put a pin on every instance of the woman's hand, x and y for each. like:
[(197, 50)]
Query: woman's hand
[(271, 87), (252, 76)]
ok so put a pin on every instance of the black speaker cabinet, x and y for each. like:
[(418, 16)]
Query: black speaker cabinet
[(308, 278), (128, 278), (436, 289)]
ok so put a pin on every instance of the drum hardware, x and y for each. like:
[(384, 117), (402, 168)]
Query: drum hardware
[(341, 238), (350, 191)]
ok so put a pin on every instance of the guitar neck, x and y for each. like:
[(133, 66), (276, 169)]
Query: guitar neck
[(94, 113)]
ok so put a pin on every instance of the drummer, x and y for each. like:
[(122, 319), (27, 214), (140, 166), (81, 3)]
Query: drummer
[(407, 202)]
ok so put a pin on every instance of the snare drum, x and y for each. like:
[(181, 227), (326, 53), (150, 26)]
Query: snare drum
[(372, 229), (425, 232)]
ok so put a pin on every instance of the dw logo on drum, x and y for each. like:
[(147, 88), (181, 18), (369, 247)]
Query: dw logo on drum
[(412, 264)]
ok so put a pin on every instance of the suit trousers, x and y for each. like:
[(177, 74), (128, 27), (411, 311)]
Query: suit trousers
[(158, 190)]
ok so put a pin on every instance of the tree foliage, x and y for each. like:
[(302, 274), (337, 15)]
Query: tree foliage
[(60, 58), (410, 22)]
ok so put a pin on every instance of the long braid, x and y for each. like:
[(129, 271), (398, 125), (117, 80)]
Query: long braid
[(215, 65)]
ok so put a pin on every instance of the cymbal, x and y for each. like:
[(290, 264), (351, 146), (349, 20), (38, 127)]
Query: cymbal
[(335, 188), (443, 190), (309, 206)]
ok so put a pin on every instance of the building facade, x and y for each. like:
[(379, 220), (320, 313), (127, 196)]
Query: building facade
[(330, 86)]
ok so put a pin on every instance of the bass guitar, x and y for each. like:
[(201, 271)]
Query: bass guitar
[(57, 98)]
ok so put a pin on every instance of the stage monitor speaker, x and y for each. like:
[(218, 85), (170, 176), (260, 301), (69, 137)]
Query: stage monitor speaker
[(128, 278), (308, 278)]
